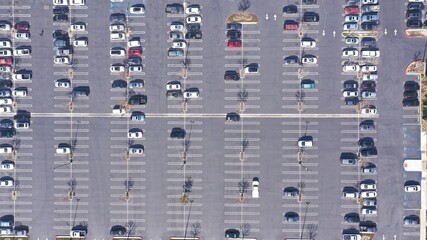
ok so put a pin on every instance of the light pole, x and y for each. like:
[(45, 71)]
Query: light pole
[(305, 215), (188, 219)]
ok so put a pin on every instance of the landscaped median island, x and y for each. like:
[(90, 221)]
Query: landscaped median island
[(416, 33), (243, 18), (418, 68)]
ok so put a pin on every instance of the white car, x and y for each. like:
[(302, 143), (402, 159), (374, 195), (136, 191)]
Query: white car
[(255, 187), (412, 188), (6, 101), (117, 68), (77, 2), (179, 44), (368, 94), (137, 9), (368, 68), (351, 18), (117, 52), (305, 143), (191, 93), (137, 83), (135, 134), (135, 68), (6, 182), (369, 77), (22, 35), (134, 43), (5, 53), (60, 2), (61, 60), (117, 27), (369, 211), (177, 26), (63, 149), (5, 68), (370, 109), (350, 52), (80, 43), (22, 52), (369, 1), (7, 165), (22, 125), (173, 85), (368, 194), (19, 93), (351, 40), (136, 150), (78, 27), (21, 76), (350, 26), (5, 109), (6, 149), (5, 43), (194, 19), (116, 0), (368, 186), (252, 68), (351, 67), (193, 9), (350, 93), (5, 27), (351, 237), (309, 60), (62, 83), (308, 43)]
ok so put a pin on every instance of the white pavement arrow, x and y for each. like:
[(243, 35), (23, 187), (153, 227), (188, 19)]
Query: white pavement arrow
[(323, 33), (385, 31), (333, 33), (383, 237), (275, 16), (266, 16), (395, 32), (395, 237)]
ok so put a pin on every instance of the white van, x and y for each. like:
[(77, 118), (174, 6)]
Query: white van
[(117, 36), (255, 187)]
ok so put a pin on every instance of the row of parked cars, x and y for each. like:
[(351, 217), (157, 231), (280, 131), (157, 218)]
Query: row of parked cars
[(364, 12), (414, 15)]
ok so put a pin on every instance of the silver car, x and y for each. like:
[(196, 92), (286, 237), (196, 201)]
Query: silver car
[(350, 26)]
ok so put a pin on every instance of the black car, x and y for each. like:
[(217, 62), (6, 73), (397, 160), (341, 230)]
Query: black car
[(352, 218), (7, 133), (289, 9), (234, 26), (366, 142), (368, 84), (232, 233), (232, 116), (174, 94), (80, 91), (234, 34), (134, 61), (309, 2), (410, 102), (415, 6), (411, 86), (368, 227), (117, 230), (367, 125), (174, 8), (138, 99), (119, 84), (252, 68), (6, 84), (413, 14), (310, 17), (231, 75), (369, 42), (177, 133), (193, 35), (414, 23), (350, 84), (6, 123), (193, 27), (117, 17), (369, 152), (368, 26), (411, 220), (410, 94), (351, 101), (60, 10), (60, 18), (291, 60)]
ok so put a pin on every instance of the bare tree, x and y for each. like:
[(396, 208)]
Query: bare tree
[(196, 228), (243, 186), (246, 229), (242, 96), (130, 228), (311, 231), (301, 186), (128, 184), (299, 94), (72, 183), (244, 5), (243, 61), (16, 143), (186, 143), (245, 144), (188, 184), (16, 184)]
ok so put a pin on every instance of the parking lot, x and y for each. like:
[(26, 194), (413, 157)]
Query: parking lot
[(170, 121)]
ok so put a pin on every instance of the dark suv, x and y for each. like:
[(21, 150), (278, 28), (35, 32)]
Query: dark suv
[(174, 8), (193, 35), (235, 34), (60, 10), (231, 75), (138, 99), (310, 17), (177, 133)]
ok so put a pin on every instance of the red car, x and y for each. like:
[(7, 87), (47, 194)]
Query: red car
[(134, 52), (290, 25), (6, 61), (22, 26), (351, 10), (233, 43)]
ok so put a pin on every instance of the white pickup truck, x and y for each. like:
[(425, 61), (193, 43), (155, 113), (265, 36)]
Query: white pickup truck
[(370, 53)]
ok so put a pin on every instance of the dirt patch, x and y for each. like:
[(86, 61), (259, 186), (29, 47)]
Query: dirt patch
[(243, 18)]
